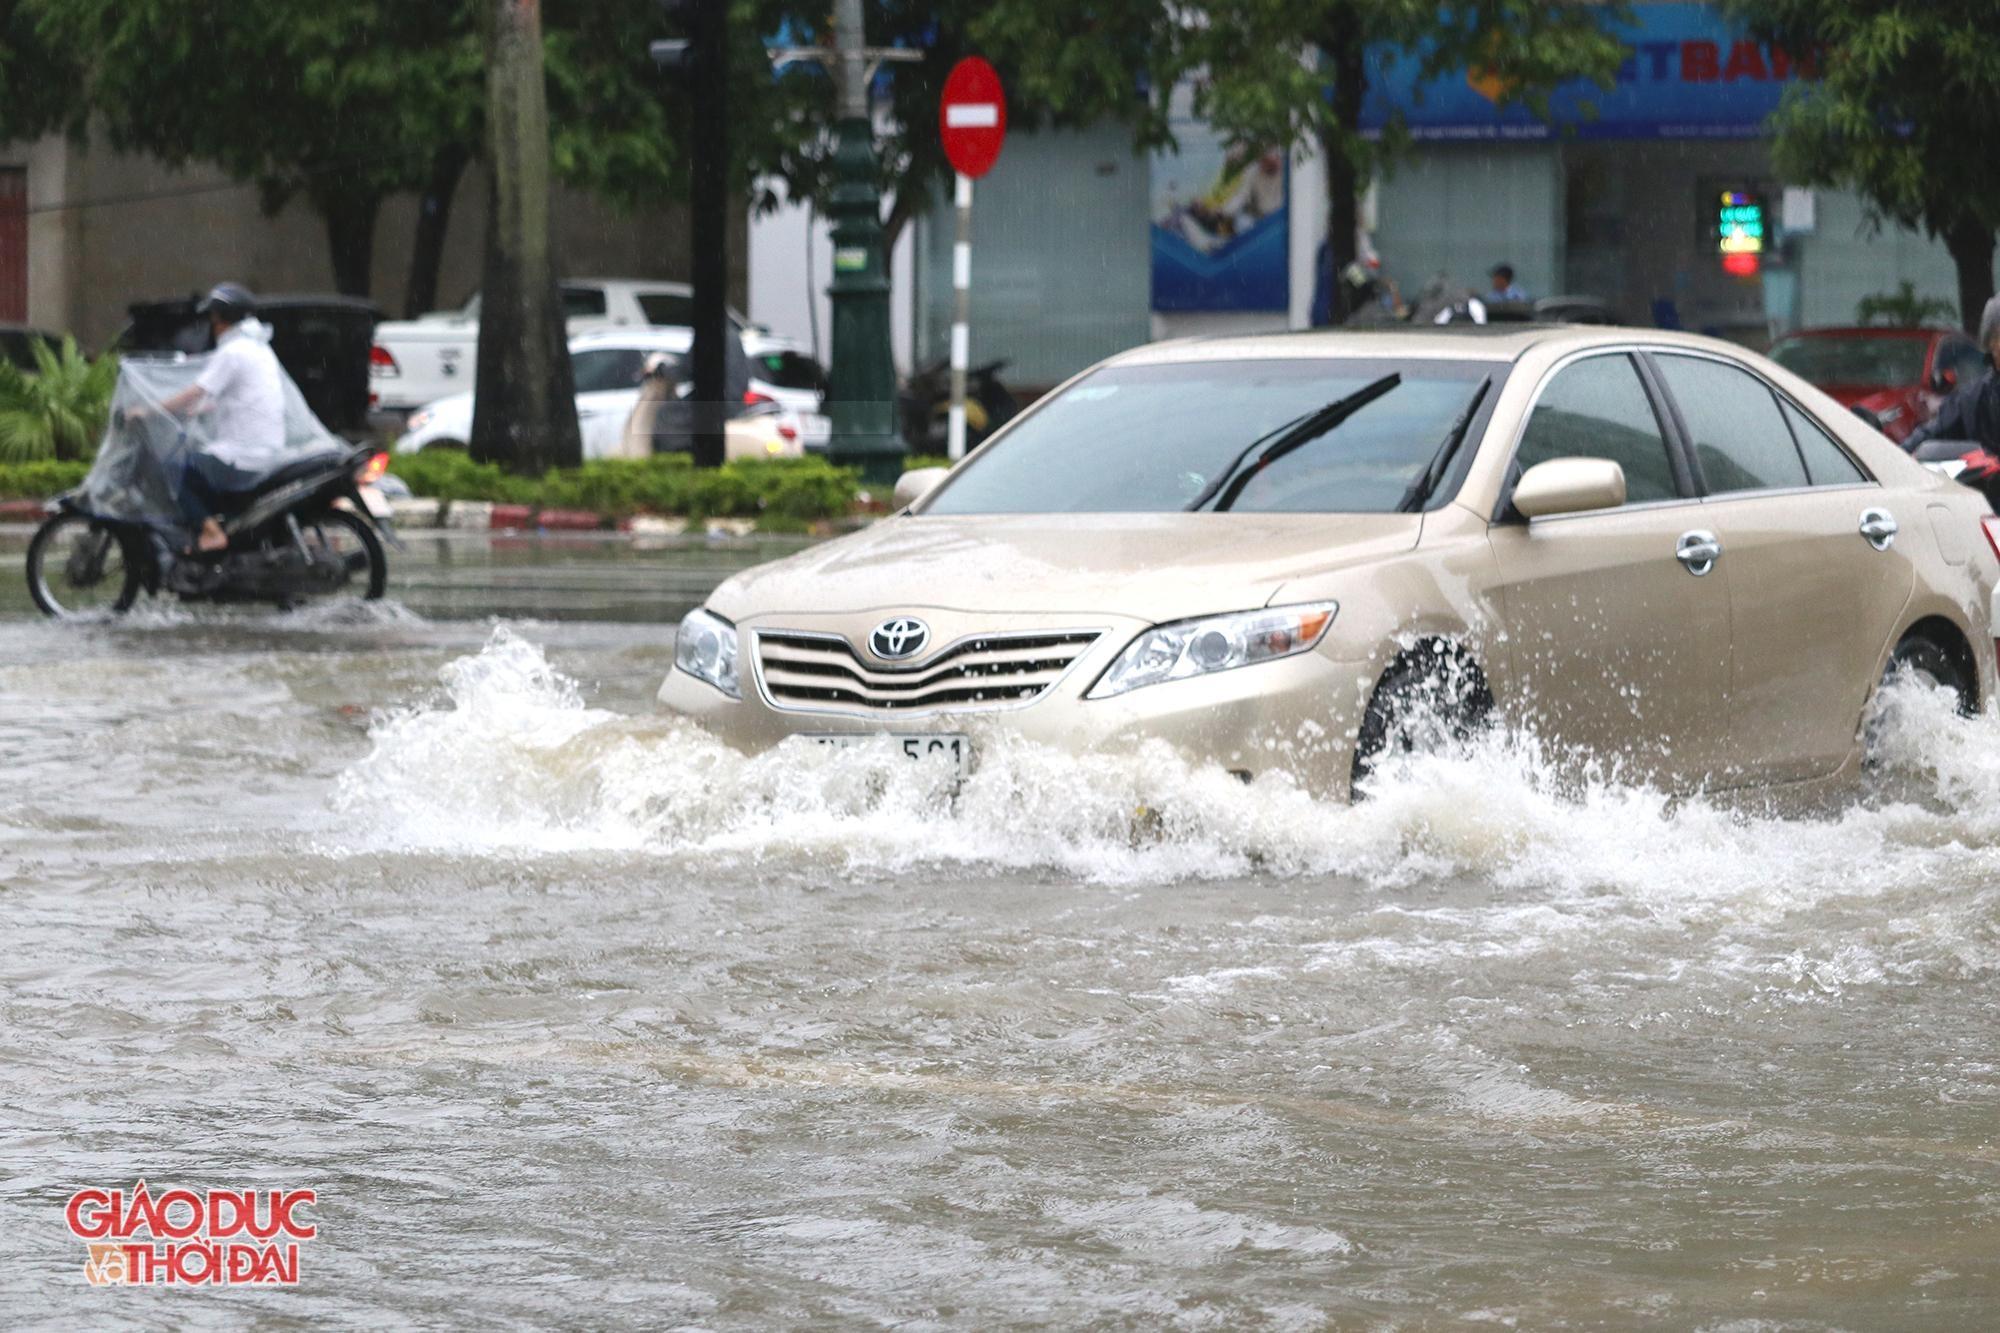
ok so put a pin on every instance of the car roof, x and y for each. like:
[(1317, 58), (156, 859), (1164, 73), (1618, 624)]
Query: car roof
[(1451, 342), (675, 338)]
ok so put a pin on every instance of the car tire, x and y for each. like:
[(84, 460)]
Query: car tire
[(456, 446), (1931, 663), (1430, 699)]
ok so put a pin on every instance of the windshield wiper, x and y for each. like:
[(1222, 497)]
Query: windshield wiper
[(1420, 489), (1229, 483)]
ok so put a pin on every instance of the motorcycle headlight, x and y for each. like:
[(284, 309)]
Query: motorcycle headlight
[(705, 648), (1214, 643)]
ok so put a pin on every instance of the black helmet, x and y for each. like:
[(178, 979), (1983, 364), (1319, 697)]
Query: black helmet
[(229, 301)]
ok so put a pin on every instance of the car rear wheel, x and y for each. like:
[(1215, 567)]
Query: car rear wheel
[(1926, 662), (1432, 699)]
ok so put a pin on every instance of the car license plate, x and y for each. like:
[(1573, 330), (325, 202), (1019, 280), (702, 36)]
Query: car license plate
[(936, 749)]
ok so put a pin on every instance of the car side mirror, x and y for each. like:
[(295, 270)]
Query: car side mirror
[(1570, 486), (914, 486)]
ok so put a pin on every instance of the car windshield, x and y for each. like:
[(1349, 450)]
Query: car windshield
[(1152, 438), (1887, 359)]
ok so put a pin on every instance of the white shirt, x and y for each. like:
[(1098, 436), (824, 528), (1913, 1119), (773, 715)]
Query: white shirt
[(246, 388)]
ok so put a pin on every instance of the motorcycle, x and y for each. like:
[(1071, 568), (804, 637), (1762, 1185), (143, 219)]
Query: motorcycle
[(923, 406), (306, 529)]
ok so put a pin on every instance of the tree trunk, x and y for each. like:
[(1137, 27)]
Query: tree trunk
[(350, 238), (1971, 247), (1343, 53), (433, 221), (524, 404)]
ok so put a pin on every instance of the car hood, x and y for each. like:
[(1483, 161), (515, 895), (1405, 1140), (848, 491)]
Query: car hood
[(1155, 567)]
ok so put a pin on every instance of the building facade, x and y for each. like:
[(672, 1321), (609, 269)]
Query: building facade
[(85, 231), (1642, 196)]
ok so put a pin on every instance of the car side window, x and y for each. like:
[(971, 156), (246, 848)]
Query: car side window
[(1598, 408), (1739, 436), (599, 369), (582, 302), (1827, 464)]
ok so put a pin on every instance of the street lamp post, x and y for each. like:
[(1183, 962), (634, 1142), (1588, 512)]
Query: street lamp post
[(861, 393)]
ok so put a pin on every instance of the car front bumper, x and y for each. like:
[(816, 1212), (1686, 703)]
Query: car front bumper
[(1298, 715)]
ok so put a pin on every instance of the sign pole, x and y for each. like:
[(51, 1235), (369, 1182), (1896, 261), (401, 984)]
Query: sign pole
[(972, 124), (961, 324)]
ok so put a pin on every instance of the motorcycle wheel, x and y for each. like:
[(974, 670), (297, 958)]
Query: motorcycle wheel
[(353, 538), (78, 569)]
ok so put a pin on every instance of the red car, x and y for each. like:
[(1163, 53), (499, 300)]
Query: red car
[(1898, 376)]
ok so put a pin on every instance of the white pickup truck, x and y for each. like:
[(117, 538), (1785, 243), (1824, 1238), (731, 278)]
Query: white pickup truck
[(415, 361)]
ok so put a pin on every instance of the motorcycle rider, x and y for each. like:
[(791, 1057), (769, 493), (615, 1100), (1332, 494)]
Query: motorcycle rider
[(244, 387), (1973, 410)]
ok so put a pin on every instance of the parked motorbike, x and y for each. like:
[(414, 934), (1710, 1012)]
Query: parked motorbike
[(923, 406), (304, 531)]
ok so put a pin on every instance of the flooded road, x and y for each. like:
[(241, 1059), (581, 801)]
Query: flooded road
[(573, 1016)]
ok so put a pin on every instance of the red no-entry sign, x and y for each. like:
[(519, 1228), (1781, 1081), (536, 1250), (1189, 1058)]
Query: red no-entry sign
[(972, 117)]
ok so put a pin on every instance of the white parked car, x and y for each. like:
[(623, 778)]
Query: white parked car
[(608, 367), (415, 361)]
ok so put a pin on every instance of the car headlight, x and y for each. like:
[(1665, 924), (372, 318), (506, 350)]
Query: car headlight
[(1214, 643), (418, 420), (705, 648)]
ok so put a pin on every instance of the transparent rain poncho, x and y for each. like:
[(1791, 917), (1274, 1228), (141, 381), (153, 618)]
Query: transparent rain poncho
[(138, 473)]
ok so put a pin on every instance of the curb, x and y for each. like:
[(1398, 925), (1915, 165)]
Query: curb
[(475, 515)]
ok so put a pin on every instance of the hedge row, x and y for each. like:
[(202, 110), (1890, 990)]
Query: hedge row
[(778, 491), (40, 480)]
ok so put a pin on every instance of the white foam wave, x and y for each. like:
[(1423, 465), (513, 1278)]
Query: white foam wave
[(511, 760)]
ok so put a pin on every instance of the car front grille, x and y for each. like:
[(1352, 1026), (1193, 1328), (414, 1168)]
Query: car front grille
[(823, 672)]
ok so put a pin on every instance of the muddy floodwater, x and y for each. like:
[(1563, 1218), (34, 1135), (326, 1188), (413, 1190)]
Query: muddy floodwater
[(573, 1017)]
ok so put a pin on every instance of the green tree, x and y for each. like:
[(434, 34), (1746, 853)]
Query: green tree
[(41, 80), (316, 99), (1906, 113), (1292, 72)]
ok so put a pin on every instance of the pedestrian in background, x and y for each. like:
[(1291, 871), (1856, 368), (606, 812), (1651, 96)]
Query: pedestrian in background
[(1504, 289)]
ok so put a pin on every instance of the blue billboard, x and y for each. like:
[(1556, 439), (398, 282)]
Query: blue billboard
[(1692, 74)]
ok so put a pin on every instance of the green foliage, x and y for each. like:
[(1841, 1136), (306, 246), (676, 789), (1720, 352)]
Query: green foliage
[(1286, 72), (1903, 308), (40, 481), (41, 83), (778, 492), (59, 411), (1906, 113)]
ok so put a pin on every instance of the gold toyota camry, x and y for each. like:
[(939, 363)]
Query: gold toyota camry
[(1296, 552)]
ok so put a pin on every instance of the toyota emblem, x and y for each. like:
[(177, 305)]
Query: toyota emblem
[(893, 640)]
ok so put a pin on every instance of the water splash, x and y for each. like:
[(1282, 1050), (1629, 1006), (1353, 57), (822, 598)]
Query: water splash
[(508, 758)]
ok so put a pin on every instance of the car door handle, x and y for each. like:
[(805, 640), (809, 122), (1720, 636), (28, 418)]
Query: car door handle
[(1698, 551), (1879, 527)]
